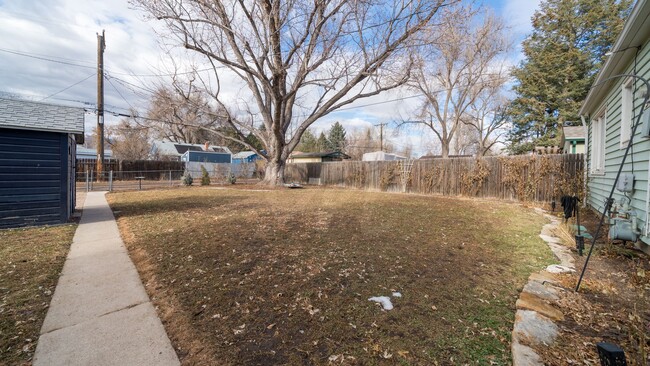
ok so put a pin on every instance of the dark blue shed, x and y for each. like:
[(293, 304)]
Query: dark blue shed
[(37, 162), (207, 157)]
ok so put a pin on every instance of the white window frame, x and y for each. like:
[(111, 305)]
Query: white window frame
[(627, 98), (598, 137)]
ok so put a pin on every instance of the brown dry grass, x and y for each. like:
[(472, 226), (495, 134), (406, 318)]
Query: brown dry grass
[(31, 262), (284, 276)]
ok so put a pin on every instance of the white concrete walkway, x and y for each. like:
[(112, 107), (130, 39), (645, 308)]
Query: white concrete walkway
[(100, 313)]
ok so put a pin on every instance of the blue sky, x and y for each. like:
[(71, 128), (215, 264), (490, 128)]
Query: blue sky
[(48, 54)]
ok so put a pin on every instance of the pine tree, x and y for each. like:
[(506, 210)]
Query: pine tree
[(254, 141), (322, 144), (308, 142), (337, 141), (563, 55)]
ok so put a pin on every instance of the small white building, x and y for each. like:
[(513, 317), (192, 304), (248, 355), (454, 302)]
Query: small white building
[(381, 156)]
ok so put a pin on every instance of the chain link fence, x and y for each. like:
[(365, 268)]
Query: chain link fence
[(128, 180)]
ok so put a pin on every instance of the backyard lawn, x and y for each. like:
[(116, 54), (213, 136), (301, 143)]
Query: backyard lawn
[(245, 277), (31, 262)]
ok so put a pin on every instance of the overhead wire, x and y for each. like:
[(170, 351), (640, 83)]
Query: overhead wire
[(68, 87), (45, 58)]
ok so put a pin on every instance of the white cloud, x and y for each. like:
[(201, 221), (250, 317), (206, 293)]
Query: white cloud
[(65, 30), (518, 14)]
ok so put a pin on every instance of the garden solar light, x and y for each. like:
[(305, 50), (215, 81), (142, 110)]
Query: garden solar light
[(610, 354)]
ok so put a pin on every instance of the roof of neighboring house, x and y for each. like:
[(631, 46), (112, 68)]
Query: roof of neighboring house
[(179, 148), (244, 154), (636, 32), (574, 132), (28, 115), (379, 154), (330, 154), (108, 153), (424, 157)]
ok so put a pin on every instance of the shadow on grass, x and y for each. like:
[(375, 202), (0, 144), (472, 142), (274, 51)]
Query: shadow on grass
[(149, 207)]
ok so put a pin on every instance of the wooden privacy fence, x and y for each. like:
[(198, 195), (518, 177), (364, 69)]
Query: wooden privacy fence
[(524, 178)]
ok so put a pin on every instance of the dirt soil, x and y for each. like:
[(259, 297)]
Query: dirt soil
[(612, 305), (256, 277)]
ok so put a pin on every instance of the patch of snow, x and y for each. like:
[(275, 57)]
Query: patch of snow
[(397, 294), (556, 268), (384, 301)]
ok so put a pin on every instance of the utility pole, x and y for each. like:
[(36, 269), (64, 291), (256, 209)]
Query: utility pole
[(101, 45), (381, 135)]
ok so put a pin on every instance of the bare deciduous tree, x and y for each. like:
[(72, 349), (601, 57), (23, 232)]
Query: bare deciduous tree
[(299, 59), (181, 114), (128, 140), (454, 69), (488, 116), (364, 141)]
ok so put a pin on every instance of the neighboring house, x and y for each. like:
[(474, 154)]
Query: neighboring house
[(37, 162), (174, 150), (573, 140), (609, 111), (245, 157), (91, 154), (317, 157), (381, 156)]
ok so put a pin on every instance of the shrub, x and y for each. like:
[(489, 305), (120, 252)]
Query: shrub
[(186, 179), (205, 177)]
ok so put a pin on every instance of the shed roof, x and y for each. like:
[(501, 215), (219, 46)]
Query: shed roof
[(28, 115), (331, 154), (244, 154), (574, 132), (179, 148), (635, 34)]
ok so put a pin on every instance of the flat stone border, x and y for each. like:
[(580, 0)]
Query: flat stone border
[(536, 315)]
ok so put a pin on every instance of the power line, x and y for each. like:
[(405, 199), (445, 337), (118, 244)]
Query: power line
[(118, 92), (45, 58), (66, 88)]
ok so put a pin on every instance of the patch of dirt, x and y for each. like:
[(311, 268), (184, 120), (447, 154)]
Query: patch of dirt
[(612, 305), (283, 277)]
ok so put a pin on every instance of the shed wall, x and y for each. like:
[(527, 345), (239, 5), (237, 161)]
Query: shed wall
[(35, 186)]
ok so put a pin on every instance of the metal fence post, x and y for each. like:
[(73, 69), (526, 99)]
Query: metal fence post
[(170, 178), (87, 182), (91, 179), (110, 181)]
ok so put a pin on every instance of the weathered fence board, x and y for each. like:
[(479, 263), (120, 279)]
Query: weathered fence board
[(525, 178)]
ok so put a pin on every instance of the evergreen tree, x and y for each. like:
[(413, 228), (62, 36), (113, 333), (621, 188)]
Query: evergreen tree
[(254, 141), (563, 55), (322, 144), (337, 141), (308, 142)]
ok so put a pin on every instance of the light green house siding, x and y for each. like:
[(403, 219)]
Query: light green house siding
[(638, 161)]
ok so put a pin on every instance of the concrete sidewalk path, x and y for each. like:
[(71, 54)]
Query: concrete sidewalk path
[(100, 313)]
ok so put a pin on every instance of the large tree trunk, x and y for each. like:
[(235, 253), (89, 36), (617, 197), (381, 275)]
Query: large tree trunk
[(445, 150), (274, 173)]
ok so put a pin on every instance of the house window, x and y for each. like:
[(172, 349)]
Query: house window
[(598, 143), (626, 112)]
